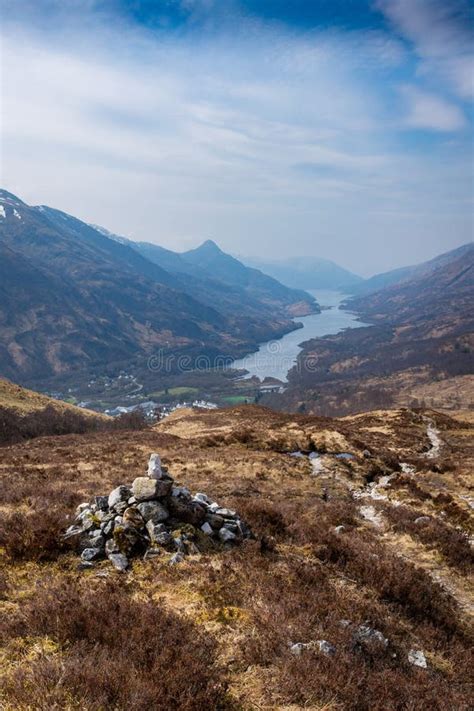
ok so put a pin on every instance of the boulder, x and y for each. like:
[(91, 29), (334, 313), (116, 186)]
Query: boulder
[(102, 502), (145, 489), (89, 554), (119, 561), (215, 521), (225, 513), (417, 658), (207, 528), (155, 470), (326, 647), (118, 495), (189, 512), (227, 536), (133, 518), (369, 638), (153, 511)]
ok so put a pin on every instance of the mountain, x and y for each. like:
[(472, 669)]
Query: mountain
[(419, 348), (309, 273), (219, 265), (403, 274), (72, 298)]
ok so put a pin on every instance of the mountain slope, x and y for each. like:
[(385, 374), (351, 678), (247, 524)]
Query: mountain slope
[(223, 267), (420, 346), (72, 298), (403, 274), (309, 273)]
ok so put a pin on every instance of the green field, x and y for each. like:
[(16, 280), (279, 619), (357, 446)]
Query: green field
[(238, 399)]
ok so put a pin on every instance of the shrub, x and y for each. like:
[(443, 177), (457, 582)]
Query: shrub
[(114, 653)]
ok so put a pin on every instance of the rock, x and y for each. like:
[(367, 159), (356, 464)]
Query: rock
[(118, 495), (82, 507), (95, 539), (366, 454), (119, 561), (339, 529), (326, 647), (152, 553), (225, 513), (153, 511), (181, 492), (202, 498), (297, 648), (155, 470), (152, 515), (215, 521), (85, 565), (226, 536), (89, 554), (417, 658), (367, 636), (73, 531), (422, 520), (133, 518), (176, 558), (144, 489), (189, 512), (159, 535), (102, 502), (321, 645)]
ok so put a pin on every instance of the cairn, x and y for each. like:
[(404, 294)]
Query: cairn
[(151, 516)]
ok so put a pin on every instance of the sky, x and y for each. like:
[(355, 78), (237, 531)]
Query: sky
[(332, 128)]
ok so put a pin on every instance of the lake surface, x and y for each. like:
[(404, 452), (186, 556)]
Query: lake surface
[(275, 358)]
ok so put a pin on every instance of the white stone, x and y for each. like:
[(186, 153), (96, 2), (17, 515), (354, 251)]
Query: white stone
[(154, 467), (417, 658), (206, 528)]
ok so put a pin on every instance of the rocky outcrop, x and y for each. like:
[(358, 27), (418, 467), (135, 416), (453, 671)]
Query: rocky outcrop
[(152, 516)]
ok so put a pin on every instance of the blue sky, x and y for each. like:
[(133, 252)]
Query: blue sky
[(334, 128)]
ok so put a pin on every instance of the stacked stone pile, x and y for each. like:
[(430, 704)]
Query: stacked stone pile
[(151, 516)]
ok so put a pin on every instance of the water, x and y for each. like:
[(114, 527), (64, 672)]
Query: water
[(275, 358)]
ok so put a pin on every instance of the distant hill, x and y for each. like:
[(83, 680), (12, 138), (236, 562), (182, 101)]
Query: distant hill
[(21, 400), (72, 297), (403, 274), (420, 346), (214, 277), (219, 265), (309, 273)]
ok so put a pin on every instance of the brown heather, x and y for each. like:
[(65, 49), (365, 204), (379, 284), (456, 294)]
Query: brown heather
[(215, 632)]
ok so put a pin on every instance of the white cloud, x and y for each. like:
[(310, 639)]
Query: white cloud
[(430, 111), (441, 31), (271, 140)]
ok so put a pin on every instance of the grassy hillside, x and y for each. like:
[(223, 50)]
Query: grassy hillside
[(14, 397), (377, 541)]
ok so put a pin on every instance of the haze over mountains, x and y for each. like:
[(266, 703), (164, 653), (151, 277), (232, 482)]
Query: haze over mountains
[(71, 297), (309, 273)]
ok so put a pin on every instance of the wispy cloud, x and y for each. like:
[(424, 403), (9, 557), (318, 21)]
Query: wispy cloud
[(442, 35), (431, 112), (264, 137)]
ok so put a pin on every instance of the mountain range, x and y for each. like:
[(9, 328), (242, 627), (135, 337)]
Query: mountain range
[(72, 297), (309, 273), (419, 347)]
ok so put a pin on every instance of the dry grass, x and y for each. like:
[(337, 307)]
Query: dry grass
[(215, 631)]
